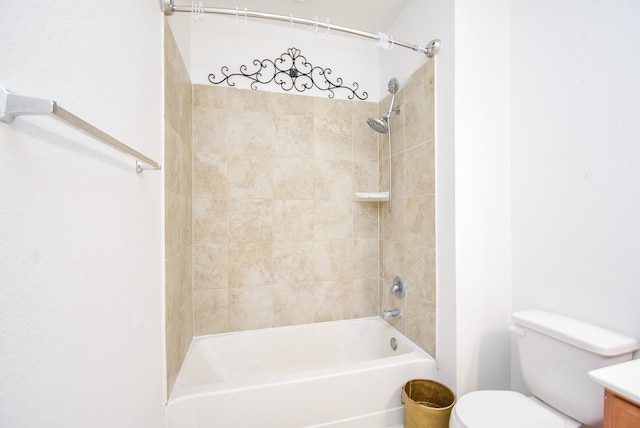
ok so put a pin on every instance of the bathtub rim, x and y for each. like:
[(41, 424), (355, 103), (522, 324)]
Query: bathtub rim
[(296, 326)]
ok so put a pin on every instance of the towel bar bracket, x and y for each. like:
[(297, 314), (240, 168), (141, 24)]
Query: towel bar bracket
[(17, 105)]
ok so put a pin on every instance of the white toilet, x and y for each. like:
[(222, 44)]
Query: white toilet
[(556, 352)]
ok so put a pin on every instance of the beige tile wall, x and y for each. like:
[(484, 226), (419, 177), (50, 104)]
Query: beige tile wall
[(278, 238), (269, 228), (178, 190), (407, 243)]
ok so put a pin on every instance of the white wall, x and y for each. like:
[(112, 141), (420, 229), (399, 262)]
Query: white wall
[(575, 159), (483, 259), (81, 286), (472, 225)]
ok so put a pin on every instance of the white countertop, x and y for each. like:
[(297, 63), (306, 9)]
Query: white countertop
[(623, 379)]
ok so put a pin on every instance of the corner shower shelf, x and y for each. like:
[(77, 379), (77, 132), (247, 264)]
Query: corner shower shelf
[(372, 196)]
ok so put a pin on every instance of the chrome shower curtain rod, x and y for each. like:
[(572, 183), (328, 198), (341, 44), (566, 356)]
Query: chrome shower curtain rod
[(169, 8)]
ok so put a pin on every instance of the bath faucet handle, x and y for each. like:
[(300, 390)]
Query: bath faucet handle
[(399, 287)]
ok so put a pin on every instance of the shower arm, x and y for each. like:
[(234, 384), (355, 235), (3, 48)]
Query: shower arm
[(169, 8)]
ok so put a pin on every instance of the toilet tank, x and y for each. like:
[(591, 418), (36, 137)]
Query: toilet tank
[(556, 353)]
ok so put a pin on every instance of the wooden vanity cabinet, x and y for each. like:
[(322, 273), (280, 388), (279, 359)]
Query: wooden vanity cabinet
[(619, 412)]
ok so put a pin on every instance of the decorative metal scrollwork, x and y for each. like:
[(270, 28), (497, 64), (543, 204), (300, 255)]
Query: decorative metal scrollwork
[(291, 71)]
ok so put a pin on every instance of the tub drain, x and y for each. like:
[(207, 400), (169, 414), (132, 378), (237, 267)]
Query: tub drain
[(394, 343)]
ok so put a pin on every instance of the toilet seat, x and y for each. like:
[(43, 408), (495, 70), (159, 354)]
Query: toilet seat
[(501, 409)]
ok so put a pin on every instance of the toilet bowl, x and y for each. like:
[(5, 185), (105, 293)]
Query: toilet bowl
[(506, 409)]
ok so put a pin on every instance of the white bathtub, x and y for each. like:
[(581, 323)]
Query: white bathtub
[(334, 374)]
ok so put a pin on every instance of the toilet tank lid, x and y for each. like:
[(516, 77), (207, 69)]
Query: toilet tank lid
[(582, 334)]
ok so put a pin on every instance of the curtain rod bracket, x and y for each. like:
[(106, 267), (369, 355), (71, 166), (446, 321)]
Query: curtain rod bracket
[(433, 47), (167, 7)]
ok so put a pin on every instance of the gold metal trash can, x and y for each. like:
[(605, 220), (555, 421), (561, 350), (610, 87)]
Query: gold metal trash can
[(427, 404)]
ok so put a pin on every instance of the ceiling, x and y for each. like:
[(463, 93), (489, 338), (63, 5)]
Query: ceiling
[(366, 15)]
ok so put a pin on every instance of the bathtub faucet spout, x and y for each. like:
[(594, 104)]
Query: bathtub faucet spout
[(393, 313)]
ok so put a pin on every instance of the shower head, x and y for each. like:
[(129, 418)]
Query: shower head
[(378, 125), (393, 85)]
